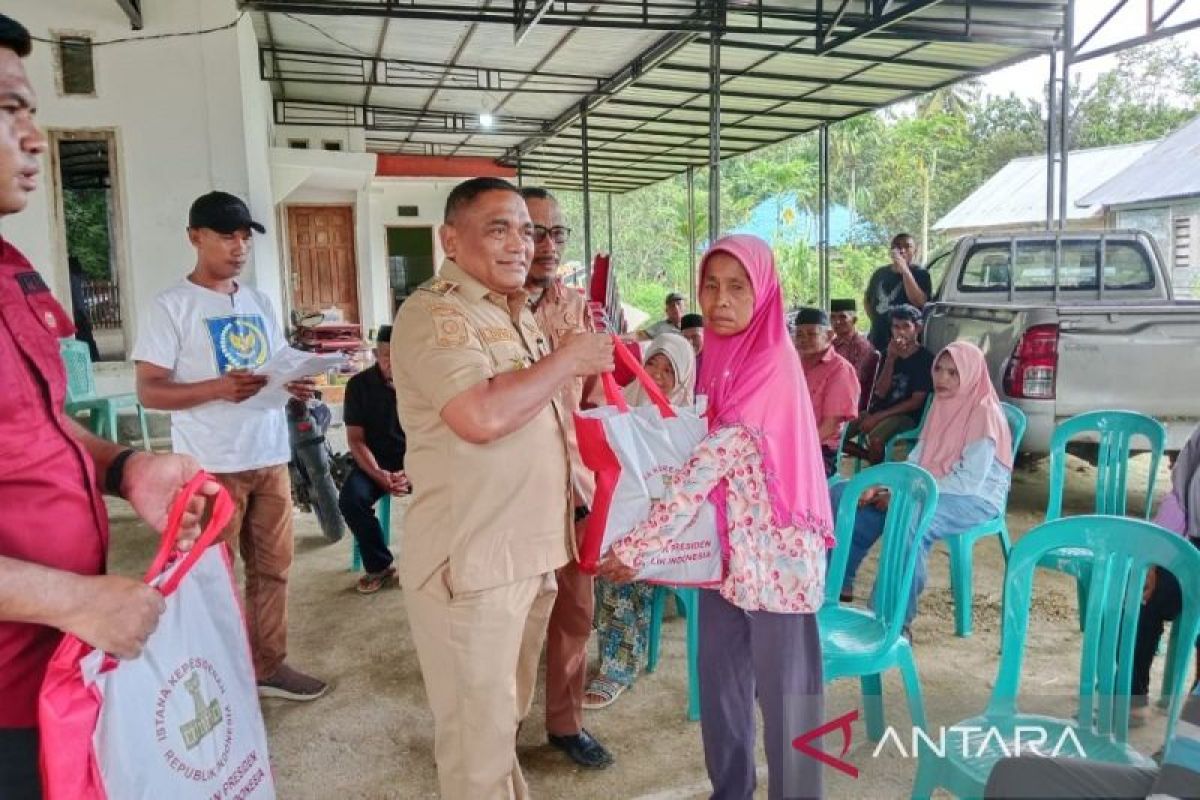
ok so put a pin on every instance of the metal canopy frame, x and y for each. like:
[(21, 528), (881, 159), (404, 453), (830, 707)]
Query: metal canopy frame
[(133, 10), (788, 69), (725, 77)]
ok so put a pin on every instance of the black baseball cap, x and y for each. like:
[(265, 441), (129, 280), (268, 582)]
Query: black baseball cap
[(674, 297), (222, 212)]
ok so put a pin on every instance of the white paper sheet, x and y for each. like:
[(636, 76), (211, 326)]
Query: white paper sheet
[(287, 365)]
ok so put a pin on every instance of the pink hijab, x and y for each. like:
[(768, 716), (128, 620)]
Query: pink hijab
[(754, 379), (972, 413)]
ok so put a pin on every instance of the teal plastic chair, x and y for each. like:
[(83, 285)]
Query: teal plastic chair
[(962, 545), (688, 601), (383, 512), (864, 643), (1116, 431), (837, 476), (889, 451), (1121, 550), (909, 436), (102, 410)]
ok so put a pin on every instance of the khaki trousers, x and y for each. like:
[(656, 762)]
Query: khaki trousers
[(261, 528), (479, 654)]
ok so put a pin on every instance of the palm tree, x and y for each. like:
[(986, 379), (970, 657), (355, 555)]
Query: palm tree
[(849, 143), (955, 99)]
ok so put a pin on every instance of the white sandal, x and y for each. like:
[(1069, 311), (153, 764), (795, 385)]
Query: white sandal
[(608, 690)]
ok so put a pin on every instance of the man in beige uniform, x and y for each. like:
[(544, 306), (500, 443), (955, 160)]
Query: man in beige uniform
[(562, 312), (491, 516)]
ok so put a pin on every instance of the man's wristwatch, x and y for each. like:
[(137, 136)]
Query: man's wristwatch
[(114, 476)]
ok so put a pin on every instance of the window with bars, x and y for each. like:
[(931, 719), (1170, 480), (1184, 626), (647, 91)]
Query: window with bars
[(75, 65)]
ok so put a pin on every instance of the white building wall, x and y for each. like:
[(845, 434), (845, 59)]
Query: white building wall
[(386, 194), (187, 119)]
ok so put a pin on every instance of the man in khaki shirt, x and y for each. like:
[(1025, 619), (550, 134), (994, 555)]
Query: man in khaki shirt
[(491, 515), (562, 312)]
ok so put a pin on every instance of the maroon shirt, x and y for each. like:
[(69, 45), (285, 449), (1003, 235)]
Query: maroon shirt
[(51, 509), (863, 356)]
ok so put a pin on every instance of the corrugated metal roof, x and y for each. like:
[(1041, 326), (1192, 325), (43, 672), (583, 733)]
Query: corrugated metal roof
[(436, 64), (1169, 171), (1016, 195)]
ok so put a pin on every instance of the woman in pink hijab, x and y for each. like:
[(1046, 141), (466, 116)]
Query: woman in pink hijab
[(761, 467), (967, 447)]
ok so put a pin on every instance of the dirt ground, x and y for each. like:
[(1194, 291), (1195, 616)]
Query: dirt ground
[(371, 737)]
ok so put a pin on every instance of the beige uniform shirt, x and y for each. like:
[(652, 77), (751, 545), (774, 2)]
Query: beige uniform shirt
[(498, 512), (557, 320)]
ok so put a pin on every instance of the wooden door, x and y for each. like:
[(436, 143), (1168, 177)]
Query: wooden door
[(324, 272)]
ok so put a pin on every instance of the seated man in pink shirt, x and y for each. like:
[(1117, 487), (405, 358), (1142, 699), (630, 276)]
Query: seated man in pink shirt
[(832, 381)]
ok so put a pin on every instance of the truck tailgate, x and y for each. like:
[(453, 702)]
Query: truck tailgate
[(1141, 358)]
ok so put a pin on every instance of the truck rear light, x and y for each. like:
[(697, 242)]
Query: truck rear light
[(1034, 364)]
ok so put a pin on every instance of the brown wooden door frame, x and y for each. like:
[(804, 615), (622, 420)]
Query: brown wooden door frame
[(354, 312)]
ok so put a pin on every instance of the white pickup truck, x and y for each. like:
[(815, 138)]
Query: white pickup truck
[(1072, 322)]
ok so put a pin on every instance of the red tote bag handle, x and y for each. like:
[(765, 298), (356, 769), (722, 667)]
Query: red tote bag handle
[(221, 513), (627, 360)]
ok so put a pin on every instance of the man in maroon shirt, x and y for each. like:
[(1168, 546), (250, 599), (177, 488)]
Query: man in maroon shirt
[(832, 383), (854, 347), (53, 523)]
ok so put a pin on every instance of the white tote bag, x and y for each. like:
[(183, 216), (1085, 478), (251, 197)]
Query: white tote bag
[(633, 452), (182, 720)]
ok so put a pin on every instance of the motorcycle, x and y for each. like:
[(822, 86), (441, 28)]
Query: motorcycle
[(317, 473), (314, 488)]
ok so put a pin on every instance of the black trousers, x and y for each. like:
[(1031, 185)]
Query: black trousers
[(1164, 605), (19, 777), (357, 503)]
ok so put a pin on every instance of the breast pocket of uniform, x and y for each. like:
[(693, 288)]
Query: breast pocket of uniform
[(505, 349)]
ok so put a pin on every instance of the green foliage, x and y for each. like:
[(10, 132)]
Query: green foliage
[(86, 211)]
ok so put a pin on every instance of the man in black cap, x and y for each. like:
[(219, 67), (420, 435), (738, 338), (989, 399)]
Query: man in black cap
[(904, 382), (853, 346), (673, 308), (832, 383), (377, 443), (197, 349)]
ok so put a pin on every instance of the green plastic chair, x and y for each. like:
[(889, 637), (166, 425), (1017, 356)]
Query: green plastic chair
[(1116, 431), (962, 545), (383, 512), (910, 436), (1121, 550), (888, 447), (688, 601), (864, 643), (81, 395)]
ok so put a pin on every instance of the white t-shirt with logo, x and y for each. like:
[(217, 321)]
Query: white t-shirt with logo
[(199, 334)]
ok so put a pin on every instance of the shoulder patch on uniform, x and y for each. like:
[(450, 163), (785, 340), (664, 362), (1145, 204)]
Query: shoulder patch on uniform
[(449, 325), (439, 286)]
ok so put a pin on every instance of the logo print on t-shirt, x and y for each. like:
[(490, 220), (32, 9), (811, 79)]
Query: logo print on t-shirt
[(239, 341)]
